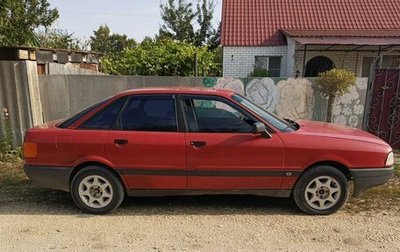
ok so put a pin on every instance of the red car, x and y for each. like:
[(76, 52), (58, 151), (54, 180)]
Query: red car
[(174, 141)]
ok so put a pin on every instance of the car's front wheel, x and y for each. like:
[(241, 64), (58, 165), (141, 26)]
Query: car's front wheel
[(96, 190), (321, 190)]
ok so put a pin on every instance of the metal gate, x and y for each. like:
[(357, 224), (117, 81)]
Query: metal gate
[(384, 108)]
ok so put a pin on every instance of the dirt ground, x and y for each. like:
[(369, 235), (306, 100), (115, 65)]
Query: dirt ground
[(33, 219)]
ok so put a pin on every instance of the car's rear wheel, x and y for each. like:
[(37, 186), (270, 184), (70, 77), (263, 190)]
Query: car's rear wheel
[(96, 190), (321, 190)]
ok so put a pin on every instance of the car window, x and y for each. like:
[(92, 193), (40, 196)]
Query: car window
[(79, 115), (149, 113), (277, 122), (208, 115), (105, 118)]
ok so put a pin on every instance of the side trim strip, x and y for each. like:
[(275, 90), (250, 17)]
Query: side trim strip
[(157, 193), (151, 172), (210, 173)]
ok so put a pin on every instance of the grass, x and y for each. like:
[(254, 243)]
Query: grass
[(16, 187), (12, 174)]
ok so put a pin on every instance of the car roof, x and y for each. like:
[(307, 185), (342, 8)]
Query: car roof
[(179, 90)]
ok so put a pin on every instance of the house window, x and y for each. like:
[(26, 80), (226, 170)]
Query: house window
[(366, 66), (388, 61), (270, 64), (391, 61)]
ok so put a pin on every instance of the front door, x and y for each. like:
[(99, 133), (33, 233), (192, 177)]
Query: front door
[(222, 153), (146, 147)]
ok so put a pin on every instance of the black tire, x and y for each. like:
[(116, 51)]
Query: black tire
[(320, 173), (113, 185)]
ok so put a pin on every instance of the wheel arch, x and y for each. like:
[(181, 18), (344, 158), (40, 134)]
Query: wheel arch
[(80, 166), (335, 164)]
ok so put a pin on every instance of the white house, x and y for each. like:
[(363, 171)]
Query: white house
[(286, 38)]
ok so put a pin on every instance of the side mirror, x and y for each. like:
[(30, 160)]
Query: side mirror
[(259, 128)]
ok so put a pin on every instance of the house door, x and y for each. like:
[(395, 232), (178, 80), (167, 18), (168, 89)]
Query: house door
[(318, 65)]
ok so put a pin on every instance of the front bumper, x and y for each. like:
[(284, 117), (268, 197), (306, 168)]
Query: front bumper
[(56, 178), (369, 177)]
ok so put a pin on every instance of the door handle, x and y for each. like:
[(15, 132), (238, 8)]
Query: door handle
[(120, 141), (198, 144)]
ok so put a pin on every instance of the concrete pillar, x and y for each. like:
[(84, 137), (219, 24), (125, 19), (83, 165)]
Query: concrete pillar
[(19, 93)]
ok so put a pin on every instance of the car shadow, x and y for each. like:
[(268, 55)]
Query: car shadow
[(33, 200)]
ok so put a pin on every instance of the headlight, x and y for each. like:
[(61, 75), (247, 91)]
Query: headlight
[(389, 159)]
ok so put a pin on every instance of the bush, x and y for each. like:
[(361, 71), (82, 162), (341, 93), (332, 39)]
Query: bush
[(333, 83), (7, 152), (163, 57), (258, 72)]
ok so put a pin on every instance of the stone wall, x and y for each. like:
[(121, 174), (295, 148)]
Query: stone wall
[(64, 95), (295, 98), (31, 99)]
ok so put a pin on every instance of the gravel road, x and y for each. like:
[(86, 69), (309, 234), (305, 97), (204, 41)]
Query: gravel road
[(201, 223)]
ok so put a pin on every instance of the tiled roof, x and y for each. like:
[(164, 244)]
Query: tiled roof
[(342, 33), (259, 22)]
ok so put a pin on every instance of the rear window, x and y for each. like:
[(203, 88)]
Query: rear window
[(80, 114), (106, 117)]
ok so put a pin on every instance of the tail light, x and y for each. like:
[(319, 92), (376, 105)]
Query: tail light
[(30, 150)]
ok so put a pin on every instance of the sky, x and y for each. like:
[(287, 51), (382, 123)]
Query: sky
[(135, 18)]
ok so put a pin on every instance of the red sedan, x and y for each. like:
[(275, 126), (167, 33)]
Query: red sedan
[(201, 141)]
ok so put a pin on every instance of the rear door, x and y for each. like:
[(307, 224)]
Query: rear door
[(146, 146), (222, 153)]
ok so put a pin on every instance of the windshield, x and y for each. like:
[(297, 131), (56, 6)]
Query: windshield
[(274, 120)]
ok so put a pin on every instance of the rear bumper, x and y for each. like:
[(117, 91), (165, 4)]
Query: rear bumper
[(56, 178), (369, 177)]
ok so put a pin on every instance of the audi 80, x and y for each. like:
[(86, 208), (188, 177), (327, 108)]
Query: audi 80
[(180, 141)]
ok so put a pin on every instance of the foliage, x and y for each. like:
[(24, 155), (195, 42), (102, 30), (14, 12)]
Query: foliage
[(258, 72), (215, 39), (333, 83), (205, 11), (7, 152), (163, 57), (105, 42), (59, 39), (218, 57), (20, 18), (181, 18)]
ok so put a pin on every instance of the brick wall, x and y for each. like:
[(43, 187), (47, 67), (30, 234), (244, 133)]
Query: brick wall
[(243, 60), (351, 61)]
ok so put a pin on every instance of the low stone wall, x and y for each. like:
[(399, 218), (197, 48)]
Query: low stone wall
[(64, 95), (296, 98), (31, 99)]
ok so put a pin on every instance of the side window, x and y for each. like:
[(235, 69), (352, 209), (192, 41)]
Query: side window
[(105, 118), (149, 113), (206, 115)]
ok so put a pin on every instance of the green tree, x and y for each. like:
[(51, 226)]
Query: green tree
[(108, 43), (215, 39), (20, 18), (178, 16), (162, 57), (205, 10), (59, 39), (181, 18), (333, 83)]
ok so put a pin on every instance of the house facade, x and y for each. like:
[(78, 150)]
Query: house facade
[(288, 38)]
